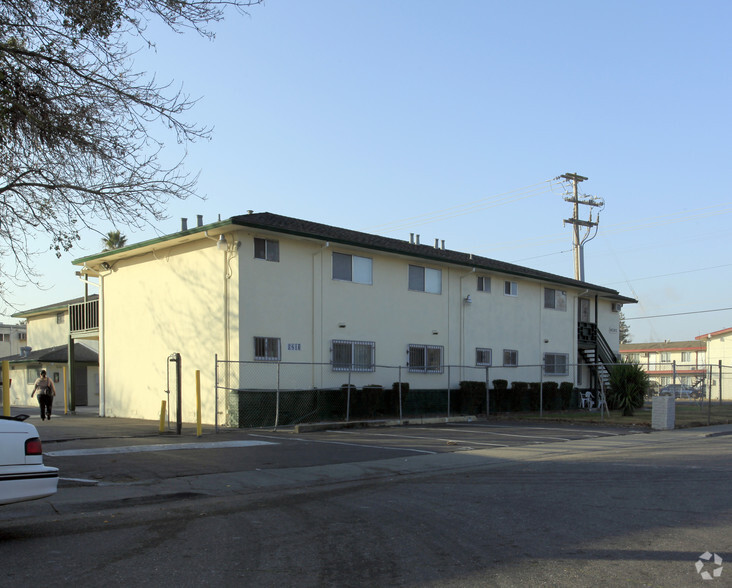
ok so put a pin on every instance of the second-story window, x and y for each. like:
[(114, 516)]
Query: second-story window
[(665, 357), (60, 318), (510, 357), (425, 279), (556, 299), (686, 356), (267, 249), (484, 284), (352, 268), (510, 288)]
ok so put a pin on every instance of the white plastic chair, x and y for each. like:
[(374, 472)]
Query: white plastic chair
[(586, 400)]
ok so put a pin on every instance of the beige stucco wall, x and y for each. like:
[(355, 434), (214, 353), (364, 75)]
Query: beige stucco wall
[(166, 302), (174, 301), (45, 331)]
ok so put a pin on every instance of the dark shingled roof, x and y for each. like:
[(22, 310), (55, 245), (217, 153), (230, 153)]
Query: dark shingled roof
[(293, 226), (58, 354)]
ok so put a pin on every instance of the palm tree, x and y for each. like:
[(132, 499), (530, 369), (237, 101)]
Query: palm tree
[(114, 240)]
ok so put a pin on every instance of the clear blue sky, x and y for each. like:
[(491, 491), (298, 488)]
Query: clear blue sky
[(447, 120)]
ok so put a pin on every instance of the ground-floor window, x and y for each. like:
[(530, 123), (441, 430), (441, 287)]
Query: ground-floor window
[(356, 356), (267, 348), (483, 356), (425, 359), (556, 364)]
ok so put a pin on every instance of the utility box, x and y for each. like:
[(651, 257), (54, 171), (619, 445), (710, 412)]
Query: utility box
[(663, 415)]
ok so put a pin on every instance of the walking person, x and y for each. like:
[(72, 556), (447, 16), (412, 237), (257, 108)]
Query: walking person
[(46, 392)]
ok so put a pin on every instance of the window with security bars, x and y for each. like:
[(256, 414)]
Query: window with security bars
[(353, 356), (510, 357), (266, 348), (425, 359), (556, 364), (267, 249), (483, 356)]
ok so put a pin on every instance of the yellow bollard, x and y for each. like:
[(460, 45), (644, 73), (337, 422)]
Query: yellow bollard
[(66, 396), (6, 388), (198, 403), (162, 418)]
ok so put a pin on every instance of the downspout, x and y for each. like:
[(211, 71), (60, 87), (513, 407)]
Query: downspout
[(463, 303), (314, 339)]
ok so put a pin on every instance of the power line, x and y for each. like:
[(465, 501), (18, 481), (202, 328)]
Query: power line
[(701, 269), (627, 318), (463, 209)]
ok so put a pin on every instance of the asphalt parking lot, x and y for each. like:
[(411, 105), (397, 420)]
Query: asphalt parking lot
[(89, 449)]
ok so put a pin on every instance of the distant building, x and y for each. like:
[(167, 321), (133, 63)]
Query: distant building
[(686, 359), (12, 338)]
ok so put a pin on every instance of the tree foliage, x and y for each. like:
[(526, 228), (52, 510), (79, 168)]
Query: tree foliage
[(114, 240), (81, 132), (624, 330)]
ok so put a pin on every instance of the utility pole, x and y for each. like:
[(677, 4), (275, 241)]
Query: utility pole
[(578, 243)]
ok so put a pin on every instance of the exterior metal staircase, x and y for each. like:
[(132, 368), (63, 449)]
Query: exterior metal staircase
[(596, 352)]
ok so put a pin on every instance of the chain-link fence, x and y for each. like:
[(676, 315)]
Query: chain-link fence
[(270, 394)]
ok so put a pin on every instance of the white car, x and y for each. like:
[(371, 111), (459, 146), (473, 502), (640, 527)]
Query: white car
[(22, 473)]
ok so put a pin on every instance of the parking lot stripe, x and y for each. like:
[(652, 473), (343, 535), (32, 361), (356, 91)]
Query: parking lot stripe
[(146, 448)]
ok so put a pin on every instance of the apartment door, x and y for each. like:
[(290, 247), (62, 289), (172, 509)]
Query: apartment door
[(584, 310)]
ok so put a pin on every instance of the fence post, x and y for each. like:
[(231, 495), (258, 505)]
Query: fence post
[(448, 392), (216, 392), (720, 382), (709, 403), (277, 398), (348, 397), (487, 393), (541, 391), (400, 395)]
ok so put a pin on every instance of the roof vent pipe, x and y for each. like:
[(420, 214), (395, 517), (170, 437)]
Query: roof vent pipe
[(199, 220), (411, 238), (443, 244), (183, 224), (416, 237), (437, 243)]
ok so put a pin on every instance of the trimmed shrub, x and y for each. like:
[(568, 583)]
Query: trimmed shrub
[(519, 396), (552, 401), (568, 395)]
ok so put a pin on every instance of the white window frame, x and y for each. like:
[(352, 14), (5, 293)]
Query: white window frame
[(665, 357), (271, 251), (267, 349), (427, 365), (352, 349), (554, 368), (424, 279), (361, 268), (510, 288), (483, 356), (510, 353), (686, 356), (4, 337), (555, 299), (484, 284)]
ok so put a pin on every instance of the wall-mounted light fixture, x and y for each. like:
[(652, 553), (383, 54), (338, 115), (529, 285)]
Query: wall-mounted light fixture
[(106, 266), (341, 325), (221, 243), (468, 299)]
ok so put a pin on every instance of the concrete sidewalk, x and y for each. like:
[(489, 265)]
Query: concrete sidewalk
[(85, 423)]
